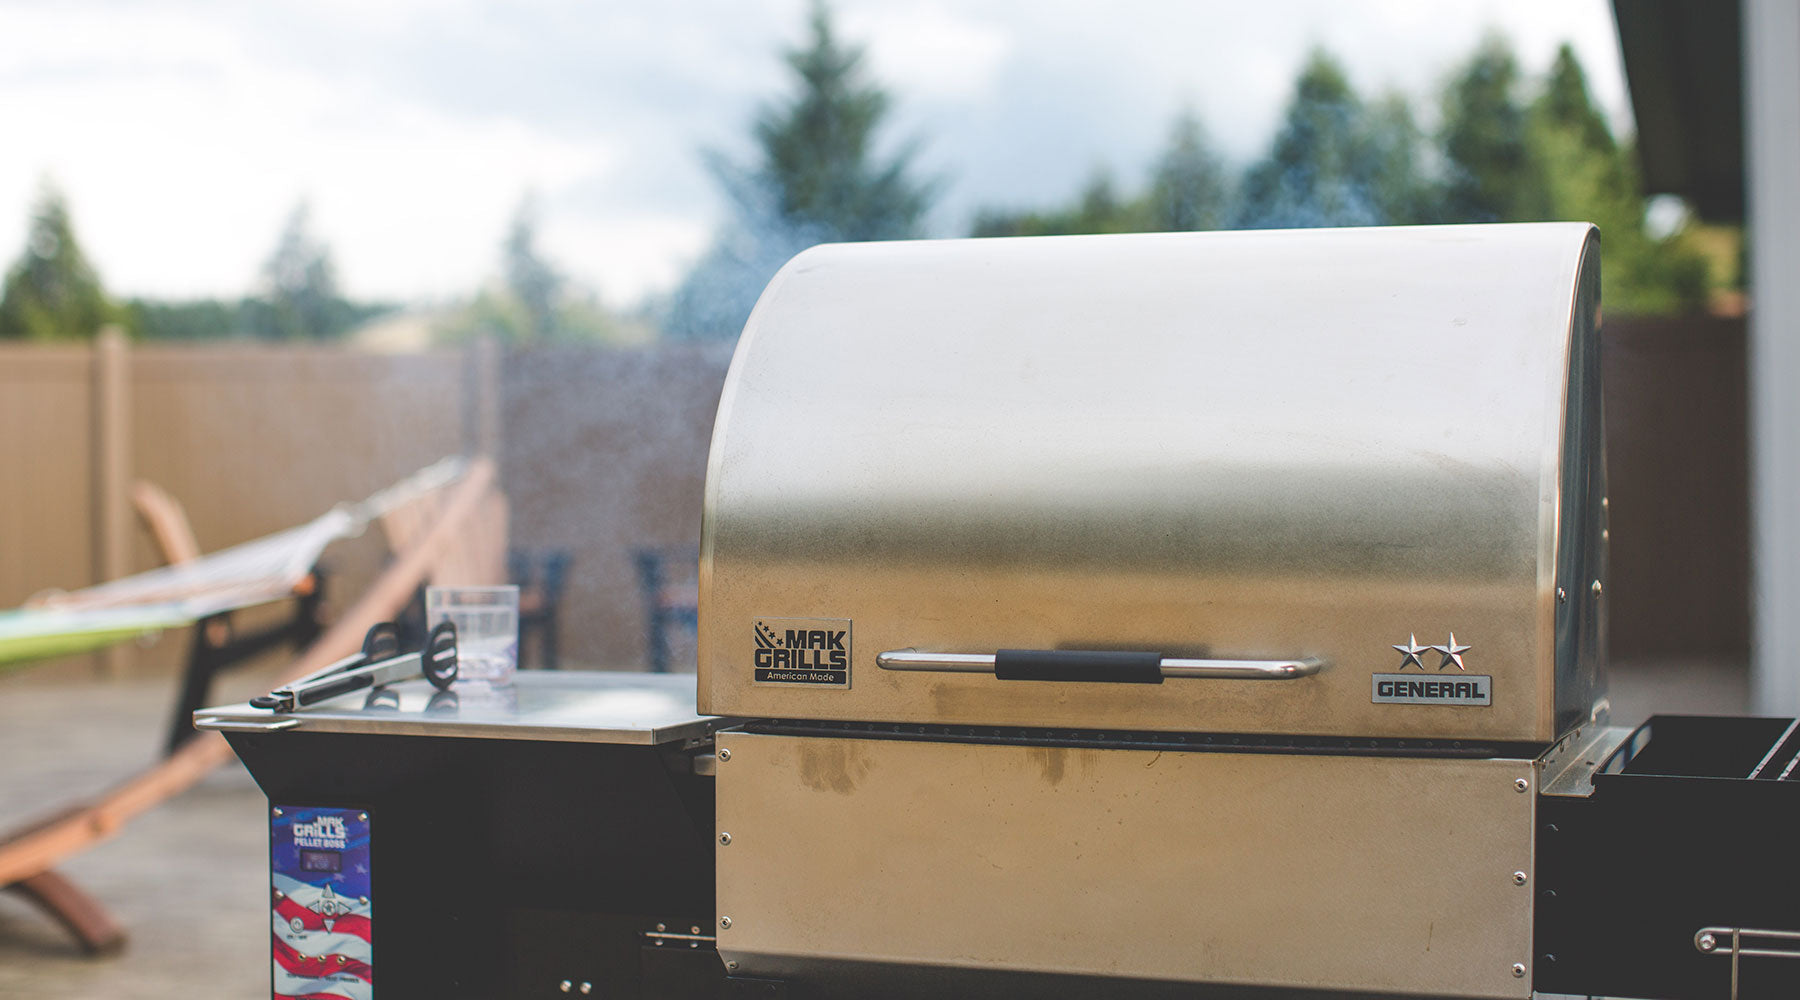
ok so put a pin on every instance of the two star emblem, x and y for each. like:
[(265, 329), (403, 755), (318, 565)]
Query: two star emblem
[(1451, 651)]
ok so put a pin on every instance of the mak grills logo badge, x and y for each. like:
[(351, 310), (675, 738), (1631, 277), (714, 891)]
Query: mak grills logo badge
[(810, 651), (1461, 688), (323, 832)]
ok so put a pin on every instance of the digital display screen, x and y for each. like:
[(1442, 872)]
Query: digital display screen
[(320, 861)]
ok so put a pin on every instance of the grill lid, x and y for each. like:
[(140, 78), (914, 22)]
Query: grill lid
[(1323, 482)]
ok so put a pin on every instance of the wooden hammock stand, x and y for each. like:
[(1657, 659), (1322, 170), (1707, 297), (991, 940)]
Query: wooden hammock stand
[(455, 534)]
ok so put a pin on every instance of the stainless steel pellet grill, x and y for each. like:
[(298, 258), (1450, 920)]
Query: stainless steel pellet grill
[(1139, 615), (1087, 509)]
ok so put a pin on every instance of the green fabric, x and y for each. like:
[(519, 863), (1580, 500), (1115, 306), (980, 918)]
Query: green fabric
[(29, 635)]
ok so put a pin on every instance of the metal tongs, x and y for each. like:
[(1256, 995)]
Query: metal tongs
[(379, 663)]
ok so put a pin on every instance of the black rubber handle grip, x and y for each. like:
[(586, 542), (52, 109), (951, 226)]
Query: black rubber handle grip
[(1078, 665), (331, 688)]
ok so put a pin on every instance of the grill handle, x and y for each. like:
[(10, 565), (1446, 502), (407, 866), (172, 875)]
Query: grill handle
[(1093, 665)]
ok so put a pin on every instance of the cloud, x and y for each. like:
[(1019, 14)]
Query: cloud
[(633, 255), (928, 52), (185, 131)]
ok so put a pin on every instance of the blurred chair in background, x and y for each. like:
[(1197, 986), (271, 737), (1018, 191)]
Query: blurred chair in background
[(539, 574), (668, 578)]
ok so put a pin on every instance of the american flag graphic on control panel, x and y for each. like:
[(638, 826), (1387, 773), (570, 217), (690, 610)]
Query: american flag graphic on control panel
[(321, 911)]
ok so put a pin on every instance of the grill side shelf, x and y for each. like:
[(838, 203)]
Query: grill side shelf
[(1143, 740), (1684, 836)]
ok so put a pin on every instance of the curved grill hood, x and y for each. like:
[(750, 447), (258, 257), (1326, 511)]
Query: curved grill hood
[(1290, 451)]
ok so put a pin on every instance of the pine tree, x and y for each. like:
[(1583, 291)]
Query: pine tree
[(1098, 208), (1493, 175), (531, 279), (818, 179), (1319, 171), (1190, 188), (300, 299), (1391, 147), (1565, 104), (52, 292), (1589, 177)]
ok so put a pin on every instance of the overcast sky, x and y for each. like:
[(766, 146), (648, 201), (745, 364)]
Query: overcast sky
[(184, 133)]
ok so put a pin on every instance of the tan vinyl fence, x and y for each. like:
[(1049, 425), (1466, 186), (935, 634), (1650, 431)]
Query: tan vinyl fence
[(603, 454), (249, 438), (47, 474)]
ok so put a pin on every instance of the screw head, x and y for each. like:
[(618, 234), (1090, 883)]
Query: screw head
[(1518, 970), (565, 986), (1519, 878), (694, 929), (725, 923), (362, 817), (587, 987), (661, 927), (1708, 942), (731, 965), (724, 753), (1596, 588), (725, 838), (1562, 596), (1521, 785), (276, 810)]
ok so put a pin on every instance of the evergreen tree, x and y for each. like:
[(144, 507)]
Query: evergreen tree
[(531, 280), (1565, 104), (1402, 193), (1097, 209), (533, 302), (1190, 188), (52, 292), (300, 297), (818, 179), (1493, 175), (1589, 177), (1320, 170)]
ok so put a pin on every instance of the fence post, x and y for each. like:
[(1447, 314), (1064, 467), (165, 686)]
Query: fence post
[(111, 505)]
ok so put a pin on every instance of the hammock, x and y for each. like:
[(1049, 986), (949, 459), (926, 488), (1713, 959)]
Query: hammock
[(256, 572), (463, 511)]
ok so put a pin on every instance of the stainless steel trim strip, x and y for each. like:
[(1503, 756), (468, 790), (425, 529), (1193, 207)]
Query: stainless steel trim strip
[(1780, 741), (541, 705), (1567, 770), (661, 936), (983, 663), (239, 726)]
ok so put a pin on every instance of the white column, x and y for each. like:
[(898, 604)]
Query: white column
[(1772, 163)]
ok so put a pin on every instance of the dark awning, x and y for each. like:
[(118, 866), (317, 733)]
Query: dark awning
[(1684, 68)]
